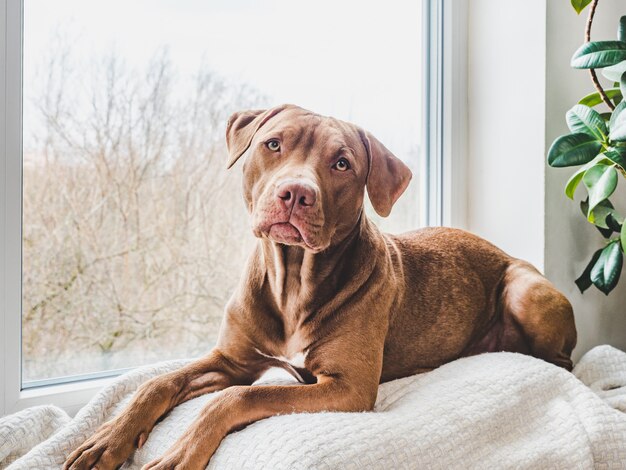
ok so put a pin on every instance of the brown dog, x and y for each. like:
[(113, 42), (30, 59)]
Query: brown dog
[(332, 300)]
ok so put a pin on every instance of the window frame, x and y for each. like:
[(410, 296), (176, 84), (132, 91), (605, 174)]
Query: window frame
[(445, 113), (442, 176)]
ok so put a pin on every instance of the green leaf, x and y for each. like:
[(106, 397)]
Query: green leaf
[(616, 156), (621, 29), (601, 181), (583, 119), (619, 109), (573, 150), (606, 232), (579, 5), (618, 134), (575, 179), (619, 220), (622, 236), (599, 54), (584, 280), (595, 99), (617, 124), (573, 182), (598, 216), (614, 72), (613, 223), (608, 268), (622, 84)]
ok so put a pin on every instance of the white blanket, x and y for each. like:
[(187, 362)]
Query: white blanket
[(498, 410)]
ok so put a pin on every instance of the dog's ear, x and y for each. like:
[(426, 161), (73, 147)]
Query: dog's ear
[(387, 177), (241, 128)]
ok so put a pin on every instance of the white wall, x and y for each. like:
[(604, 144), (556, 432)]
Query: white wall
[(520, 86), (570, 240), (506, 79)]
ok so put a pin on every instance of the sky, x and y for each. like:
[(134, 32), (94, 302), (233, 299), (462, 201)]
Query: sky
[(355, 60)]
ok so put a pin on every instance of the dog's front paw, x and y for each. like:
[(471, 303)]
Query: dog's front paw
[(175, 460), (190, 452), (107, 449)]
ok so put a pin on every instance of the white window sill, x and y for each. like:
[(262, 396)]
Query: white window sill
[(69, 396)]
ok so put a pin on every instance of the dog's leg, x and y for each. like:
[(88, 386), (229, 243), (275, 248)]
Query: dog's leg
[(239, 406), (113, 443), (542, 312)]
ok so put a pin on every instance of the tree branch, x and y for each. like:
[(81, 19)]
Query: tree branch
[(592, 72)]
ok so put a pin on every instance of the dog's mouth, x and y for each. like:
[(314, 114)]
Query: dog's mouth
[(286, 233)]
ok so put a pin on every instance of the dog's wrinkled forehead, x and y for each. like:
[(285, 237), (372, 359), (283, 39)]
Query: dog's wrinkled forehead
[(311, 135), (301, 127)]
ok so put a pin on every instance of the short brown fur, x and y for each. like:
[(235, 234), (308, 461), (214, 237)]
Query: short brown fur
[(357, 306)]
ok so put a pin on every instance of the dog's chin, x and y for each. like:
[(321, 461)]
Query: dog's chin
[(288, 234)]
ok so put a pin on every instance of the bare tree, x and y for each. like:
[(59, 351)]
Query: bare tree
[(134, 236)]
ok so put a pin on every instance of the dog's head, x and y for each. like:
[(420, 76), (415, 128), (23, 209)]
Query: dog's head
[(305, 177)]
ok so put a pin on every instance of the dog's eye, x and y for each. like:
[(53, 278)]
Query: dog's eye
[(273, 145), (342, 165)]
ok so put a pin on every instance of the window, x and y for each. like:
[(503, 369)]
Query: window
[(125, 235)]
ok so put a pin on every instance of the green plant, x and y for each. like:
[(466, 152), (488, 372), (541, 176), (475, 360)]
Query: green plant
[(597, 143)]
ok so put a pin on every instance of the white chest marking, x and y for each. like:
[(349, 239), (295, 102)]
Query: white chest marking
[(290, 364), (297, 360)]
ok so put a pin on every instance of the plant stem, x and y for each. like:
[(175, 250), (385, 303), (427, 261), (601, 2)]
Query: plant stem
[(592, 72)]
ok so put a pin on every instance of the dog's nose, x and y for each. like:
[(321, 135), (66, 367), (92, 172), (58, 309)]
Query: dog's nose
[(296, 193)]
